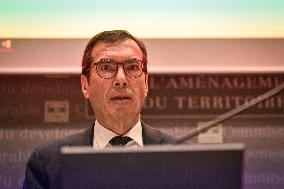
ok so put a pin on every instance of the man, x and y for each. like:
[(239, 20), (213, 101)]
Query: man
[(115, 80)]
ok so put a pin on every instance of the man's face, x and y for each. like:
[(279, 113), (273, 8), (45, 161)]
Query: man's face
[(120, 97)]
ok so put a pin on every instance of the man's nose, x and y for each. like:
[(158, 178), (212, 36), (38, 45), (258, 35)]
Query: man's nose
[(120, 79)]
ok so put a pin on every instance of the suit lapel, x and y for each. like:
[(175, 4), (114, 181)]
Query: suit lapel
[(151, 135), (86, 137)]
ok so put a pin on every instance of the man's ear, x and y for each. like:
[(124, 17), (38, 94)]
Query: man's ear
[(146, 85), (85, 86)]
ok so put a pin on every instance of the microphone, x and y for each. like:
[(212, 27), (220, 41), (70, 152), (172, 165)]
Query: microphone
[(229, 114)]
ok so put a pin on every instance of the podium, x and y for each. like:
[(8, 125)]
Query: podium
[(206, 166)]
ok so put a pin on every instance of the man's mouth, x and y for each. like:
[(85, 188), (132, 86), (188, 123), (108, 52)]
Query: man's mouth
[(120, 98)]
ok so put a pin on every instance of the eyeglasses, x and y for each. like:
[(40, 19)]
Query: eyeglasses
[(107, 68)]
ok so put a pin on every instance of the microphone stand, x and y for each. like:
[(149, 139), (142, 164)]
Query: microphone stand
[(227, 115)]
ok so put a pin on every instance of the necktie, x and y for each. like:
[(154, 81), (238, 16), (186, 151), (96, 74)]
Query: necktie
[(120, 140)]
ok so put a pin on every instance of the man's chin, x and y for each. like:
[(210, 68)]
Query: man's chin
[(123, 112)]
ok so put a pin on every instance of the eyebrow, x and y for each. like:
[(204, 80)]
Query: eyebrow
[(109, 59)]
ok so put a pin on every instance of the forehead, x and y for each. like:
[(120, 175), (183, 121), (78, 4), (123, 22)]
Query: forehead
[(118, 51)]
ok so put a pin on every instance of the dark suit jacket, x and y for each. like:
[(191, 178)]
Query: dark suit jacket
[(42, 169)]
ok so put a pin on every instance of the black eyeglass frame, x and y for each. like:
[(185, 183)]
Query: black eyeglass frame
[(143, 63)]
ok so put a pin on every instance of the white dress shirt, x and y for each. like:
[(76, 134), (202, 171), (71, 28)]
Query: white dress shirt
[(102, 136)]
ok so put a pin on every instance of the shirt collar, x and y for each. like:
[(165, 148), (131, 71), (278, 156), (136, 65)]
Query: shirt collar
[(102, 136)]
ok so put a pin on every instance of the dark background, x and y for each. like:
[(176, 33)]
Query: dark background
[(38, 108)]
